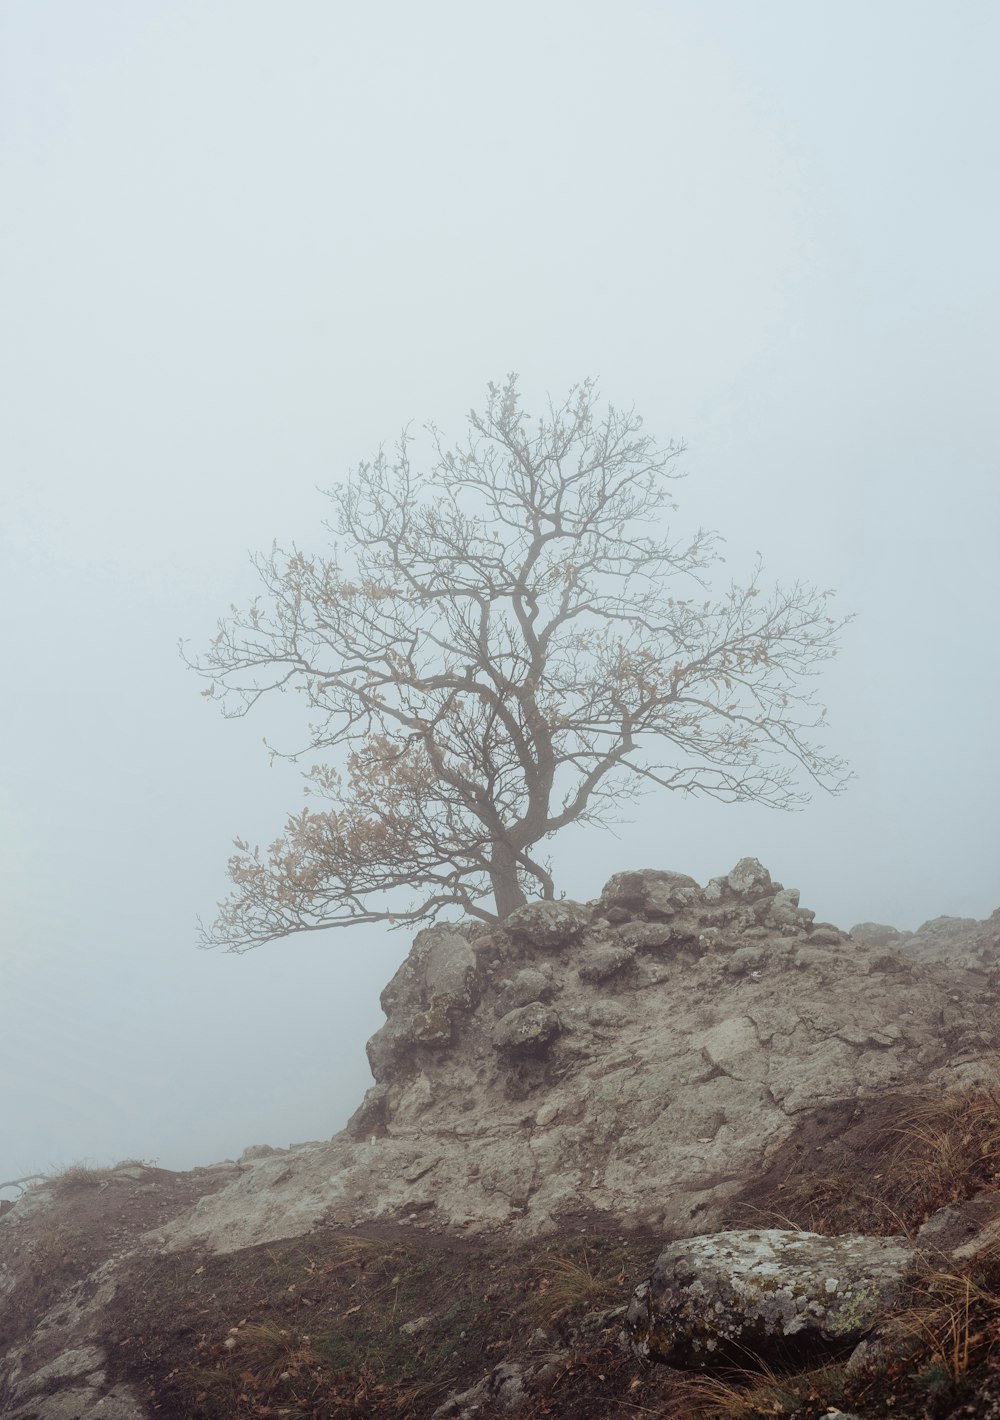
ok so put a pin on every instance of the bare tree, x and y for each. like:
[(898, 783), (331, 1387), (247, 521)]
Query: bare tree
[(503, 647)]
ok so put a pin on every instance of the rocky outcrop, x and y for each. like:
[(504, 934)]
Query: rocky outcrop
[(625, 1065), (636, 1058), (715, 1298), (960, 942)]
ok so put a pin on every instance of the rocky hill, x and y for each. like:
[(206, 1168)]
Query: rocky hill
[(557, 1101)]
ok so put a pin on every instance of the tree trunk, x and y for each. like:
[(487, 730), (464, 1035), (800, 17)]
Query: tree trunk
[(507, 892)]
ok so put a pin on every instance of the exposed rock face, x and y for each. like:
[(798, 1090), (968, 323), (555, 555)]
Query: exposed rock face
[(959, 941), (637, 1059), (709, 1297), (629, 1063)]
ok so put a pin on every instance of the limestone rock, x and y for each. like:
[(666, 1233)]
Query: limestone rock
[(502, 1392), (784, 908), (645, 1098), (650, 936), (370, 1116), (604, 961), (438, 982), (959, 941), (713, 1295), (547, 924), (259, 1151), (748, 879), (649, 892), (527, 985), (877, 934), (528, 1030)]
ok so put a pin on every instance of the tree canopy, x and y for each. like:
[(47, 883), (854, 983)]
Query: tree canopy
[(504, 641)]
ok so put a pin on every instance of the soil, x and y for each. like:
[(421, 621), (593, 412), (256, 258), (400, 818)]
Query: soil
[(391, 1320)]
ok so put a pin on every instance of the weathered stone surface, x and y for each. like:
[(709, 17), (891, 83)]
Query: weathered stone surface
[(649, 936), (604, 961), (646, 1097), (547, 924), (439, 982), (824, 934), (711, 1296), (744, 960), (259, 1151), (784, 908), (651, 892), (370, 1116), (527, 985), (876, 934), (959, 941), (639, 1069), (527, 1030), (502, 1392), (748, 879)]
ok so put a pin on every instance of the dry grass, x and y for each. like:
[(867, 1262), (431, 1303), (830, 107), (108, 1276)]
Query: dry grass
[(355, 1252), (75, 1177), (947, 1147), (940, 1150), (566, 1285), (954, 1316), (749, 1395)]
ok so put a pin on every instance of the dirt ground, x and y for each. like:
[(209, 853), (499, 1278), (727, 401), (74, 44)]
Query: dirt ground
[(390, 1321)]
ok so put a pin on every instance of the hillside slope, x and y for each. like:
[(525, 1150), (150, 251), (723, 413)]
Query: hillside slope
[(553, 1101)]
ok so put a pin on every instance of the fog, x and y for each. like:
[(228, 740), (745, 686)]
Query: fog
[(243, 244)]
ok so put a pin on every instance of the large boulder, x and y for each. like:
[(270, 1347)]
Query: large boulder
[(547, 924), (749, 878), (877, 934), (438, 983), (711, 1297), (649, 892)]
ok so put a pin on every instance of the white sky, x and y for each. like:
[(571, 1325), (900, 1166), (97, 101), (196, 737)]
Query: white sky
[(242, 243)]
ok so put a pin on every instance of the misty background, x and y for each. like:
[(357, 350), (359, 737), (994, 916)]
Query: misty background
[(243, 244)]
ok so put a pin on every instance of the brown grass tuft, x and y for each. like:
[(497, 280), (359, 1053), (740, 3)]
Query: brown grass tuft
[(75, 1177)]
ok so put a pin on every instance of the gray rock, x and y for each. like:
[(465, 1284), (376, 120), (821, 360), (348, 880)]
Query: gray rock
[(876, 934), (259, 1151), (547, 924), (824, 934), (959, 941), (715, 890), (528, 1030), (713, 1295), (743, 960), (388, 1047), (650, 936), (749, 878), (450, 972), (502, 1392), (527, 985), (371, 1114), (439, 982), (608, 1014), (650, 892), (604, 961), (620, 1107), (784, 908)]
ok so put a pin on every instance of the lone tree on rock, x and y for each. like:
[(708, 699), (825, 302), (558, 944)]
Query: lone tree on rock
[(504, 644)]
